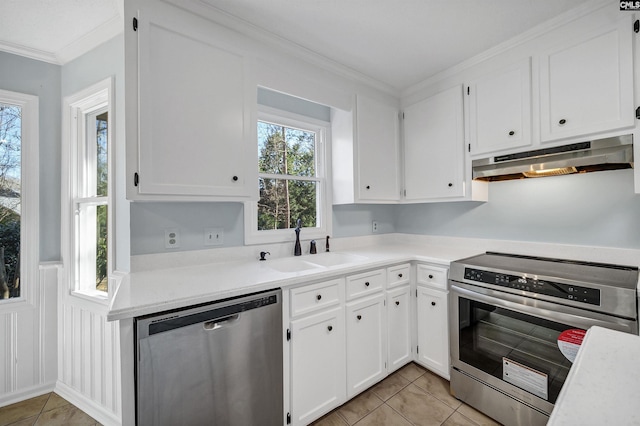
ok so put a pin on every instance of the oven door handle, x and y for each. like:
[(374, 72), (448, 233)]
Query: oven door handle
[(542, 309)]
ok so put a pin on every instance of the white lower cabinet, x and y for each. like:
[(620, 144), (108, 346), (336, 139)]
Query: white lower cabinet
[(366, 343), (433, 336), (317, 365), (398, 327)]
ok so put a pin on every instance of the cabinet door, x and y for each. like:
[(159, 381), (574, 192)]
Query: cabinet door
[(433, 330), (434, 147), (586, 85), (398, 327), (317, 365), (366, 343), (377, 147), (194, 112), (500, 110)]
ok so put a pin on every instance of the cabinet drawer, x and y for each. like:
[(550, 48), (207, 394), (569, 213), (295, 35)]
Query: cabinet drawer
[(365, 283), (433, 276), (398, 275), (315, 296)]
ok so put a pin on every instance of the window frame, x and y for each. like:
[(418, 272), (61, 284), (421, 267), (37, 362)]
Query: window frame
[(323, 176), (29, 198), (84, 104)]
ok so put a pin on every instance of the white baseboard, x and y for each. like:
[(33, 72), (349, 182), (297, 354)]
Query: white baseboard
[(28, 393), (96, 411)]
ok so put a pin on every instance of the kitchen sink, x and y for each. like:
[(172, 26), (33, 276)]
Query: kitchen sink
[(291, 264), (334, 259)]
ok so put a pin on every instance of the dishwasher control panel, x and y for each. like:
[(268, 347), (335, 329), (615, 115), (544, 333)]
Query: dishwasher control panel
[(574, 293)]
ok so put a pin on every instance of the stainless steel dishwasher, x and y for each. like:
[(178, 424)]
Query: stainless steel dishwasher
[(217, 364)]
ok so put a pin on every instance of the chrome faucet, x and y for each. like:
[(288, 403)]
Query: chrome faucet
[(297, 250)]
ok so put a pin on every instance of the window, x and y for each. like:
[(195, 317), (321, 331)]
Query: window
[(88, 151), (19, 225), (291, 179)]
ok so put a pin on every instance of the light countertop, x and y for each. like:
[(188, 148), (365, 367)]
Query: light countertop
[(603, 384), (157, 290)]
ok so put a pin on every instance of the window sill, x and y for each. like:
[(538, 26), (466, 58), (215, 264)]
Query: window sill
[(92, 296)]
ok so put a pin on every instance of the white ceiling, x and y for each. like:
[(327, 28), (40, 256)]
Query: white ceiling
[(396, 42)]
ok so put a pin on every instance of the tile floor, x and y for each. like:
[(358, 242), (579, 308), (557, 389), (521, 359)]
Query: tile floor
[(49, 409), (410, 396)]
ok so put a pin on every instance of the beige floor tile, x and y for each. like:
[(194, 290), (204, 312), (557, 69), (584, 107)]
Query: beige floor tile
[(419, 407), (390, 386), (383, 416), (55, 401), (438, 387), (22, 410), (331, 419), (458, 419), (26, 422), (411, 371), (359, 407), (476, 416), (66, 415)]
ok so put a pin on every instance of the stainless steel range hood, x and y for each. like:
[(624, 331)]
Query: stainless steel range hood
[(602, 154)]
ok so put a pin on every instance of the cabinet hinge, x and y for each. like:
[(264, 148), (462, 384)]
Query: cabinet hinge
[(288, 334), (416, 292), (638, 113), (136, 179), (385, 365), (469, 147), (288, 418), (636, 26), (468, 90), (417, 349), (135, 24), (384, 303)]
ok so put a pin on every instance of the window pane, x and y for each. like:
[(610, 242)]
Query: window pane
[(10, 190), (284, 150), (284, 201), (101, 248), (101, 154)]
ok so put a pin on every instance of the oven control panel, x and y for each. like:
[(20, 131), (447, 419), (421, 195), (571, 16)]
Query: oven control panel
[(563, 291)]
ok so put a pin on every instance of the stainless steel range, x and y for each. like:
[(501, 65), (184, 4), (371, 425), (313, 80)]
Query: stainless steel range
[(517, 323)]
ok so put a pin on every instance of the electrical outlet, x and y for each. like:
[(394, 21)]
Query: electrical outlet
[(171, 238), (374, 226), (213, 236)]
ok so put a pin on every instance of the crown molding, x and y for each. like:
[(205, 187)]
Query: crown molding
[(239, 25), (29, 52), (535, 32), (89, 41)]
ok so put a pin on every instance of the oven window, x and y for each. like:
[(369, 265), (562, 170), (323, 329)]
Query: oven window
[(514, 347)]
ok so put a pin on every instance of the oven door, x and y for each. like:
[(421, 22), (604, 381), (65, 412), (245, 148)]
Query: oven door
[(520, 346)]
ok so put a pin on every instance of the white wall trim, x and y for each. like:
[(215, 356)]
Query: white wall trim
[(87, 405), (547, 26)]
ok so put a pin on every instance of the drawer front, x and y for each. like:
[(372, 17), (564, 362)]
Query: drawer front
[(365, 283), (398, 275), (316, 296), (433, 276)]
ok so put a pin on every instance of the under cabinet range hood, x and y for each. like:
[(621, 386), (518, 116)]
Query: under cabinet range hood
[(591, 156)]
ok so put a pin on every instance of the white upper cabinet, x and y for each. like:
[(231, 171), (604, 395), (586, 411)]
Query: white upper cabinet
[(500, 110), (365, 153), (194, 100), (434, 148), (586, 84)]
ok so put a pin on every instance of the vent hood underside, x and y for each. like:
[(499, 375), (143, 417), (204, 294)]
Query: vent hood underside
[(602, 154)]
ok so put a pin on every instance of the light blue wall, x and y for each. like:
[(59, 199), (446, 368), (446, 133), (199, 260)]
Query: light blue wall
[(595, 209), (107, 60), (23, 75)]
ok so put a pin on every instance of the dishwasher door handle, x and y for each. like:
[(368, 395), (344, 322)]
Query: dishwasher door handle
[(220, 322)]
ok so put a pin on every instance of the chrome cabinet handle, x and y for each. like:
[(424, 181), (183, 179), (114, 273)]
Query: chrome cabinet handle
[(219, 322)]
